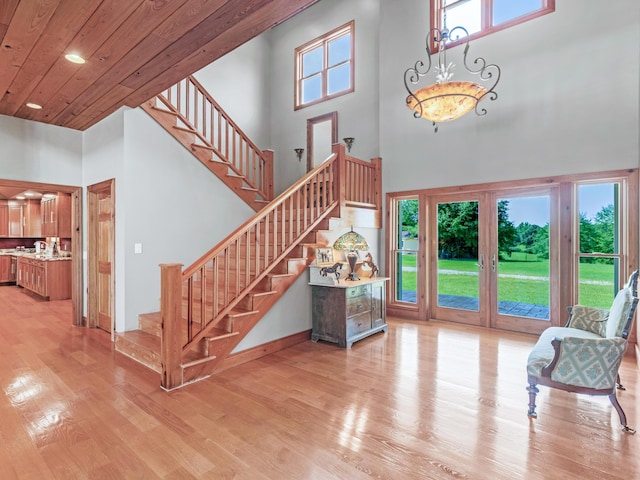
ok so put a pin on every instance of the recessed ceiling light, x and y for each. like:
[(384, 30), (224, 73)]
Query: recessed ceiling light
[(19, 197), (35, 106), (74, 58)]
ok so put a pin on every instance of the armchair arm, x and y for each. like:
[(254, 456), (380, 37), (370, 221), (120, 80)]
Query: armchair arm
[(586, 362), (590, 319)]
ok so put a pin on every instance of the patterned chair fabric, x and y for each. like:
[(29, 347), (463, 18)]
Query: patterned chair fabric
[(584, 356)]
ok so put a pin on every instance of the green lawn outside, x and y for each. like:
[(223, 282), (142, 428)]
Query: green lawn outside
[(522, 290)]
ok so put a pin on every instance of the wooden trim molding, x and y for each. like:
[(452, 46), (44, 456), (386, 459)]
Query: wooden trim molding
[(311, 122), (268, 348)]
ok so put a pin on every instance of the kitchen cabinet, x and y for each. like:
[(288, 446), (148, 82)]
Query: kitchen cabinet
[(4, 220), (346, 312), (8, 270), (56, 215), (15, 219), (31, 220), (21, 219), (48, 278)]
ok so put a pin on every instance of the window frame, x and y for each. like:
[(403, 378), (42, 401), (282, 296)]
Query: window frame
[(323, 41), (486, 9), (568, 255)]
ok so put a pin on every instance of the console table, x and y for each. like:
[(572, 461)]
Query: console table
[(348, 311)]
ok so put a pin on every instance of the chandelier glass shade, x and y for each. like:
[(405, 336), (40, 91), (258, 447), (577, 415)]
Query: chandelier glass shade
[(445, 100)]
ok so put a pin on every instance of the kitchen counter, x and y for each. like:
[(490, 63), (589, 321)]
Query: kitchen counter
[(37, 256)]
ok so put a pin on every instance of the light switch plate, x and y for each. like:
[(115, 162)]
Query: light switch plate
[(137, 248)]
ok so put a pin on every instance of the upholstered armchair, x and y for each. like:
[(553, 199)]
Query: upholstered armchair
[(584, 356)]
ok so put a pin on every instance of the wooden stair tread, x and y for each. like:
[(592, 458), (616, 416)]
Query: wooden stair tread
[(219, 334), (192, 359), (241, 313), (184, 129)]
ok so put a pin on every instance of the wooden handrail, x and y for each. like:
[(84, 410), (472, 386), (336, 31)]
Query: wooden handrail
[(195, 107), (197, 301), (246, 256)]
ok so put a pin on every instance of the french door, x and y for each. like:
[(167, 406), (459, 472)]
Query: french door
[(477, 276)]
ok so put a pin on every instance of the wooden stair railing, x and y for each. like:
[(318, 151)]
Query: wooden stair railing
[(191, 115), (207, 309)]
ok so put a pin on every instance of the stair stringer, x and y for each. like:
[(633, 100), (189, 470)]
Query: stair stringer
[(180, 129)]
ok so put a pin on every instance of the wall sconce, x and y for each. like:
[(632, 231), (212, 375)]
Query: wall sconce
[(299, 152), (349, 141)]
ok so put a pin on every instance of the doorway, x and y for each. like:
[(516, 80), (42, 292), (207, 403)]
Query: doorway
[(10, 188), (322, 133), (481, 277), (101, 250)]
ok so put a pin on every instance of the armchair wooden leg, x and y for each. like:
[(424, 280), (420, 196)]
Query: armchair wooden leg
[(623, 417), (533, 391)]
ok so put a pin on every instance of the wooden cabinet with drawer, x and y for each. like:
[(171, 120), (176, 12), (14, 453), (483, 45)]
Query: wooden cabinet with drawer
[(48, 278), (350, 311)]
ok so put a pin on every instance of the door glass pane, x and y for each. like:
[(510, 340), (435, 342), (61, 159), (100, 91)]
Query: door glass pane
[(458, 282), (523, 258), (406, 245)]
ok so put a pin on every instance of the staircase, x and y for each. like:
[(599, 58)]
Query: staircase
[(207, 309), (189, 113)]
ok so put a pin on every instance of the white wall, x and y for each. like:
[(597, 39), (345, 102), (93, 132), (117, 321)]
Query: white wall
[(103, 159), (357, 111), (240, 82), (174, 207), (38, 152), (568, 99)]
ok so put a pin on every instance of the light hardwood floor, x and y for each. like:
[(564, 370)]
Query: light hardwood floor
[(425, 401)]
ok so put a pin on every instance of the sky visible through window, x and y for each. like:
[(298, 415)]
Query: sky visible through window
[(535, 210), (467, 14)]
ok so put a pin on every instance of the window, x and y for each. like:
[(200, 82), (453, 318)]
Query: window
[(600, 232), (512, 255), (324, 67), (405, 249), (482, 17)]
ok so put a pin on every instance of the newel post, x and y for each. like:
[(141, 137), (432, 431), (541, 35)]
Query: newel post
[(341, 172), (170, 311), (377, 181), (268, 173)]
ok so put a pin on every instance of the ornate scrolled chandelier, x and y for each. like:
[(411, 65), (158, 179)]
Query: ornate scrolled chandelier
[(447, 100)]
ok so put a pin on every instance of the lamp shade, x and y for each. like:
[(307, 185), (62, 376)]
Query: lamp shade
[(442, 102), (351, 241)]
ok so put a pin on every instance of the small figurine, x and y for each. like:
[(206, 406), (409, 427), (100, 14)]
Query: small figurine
[(333, 269), (368, 260)]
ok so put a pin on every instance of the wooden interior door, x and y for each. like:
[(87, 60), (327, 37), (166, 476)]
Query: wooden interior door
[(101, 299)]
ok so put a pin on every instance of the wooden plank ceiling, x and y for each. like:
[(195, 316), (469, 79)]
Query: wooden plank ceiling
[(134, 49)]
